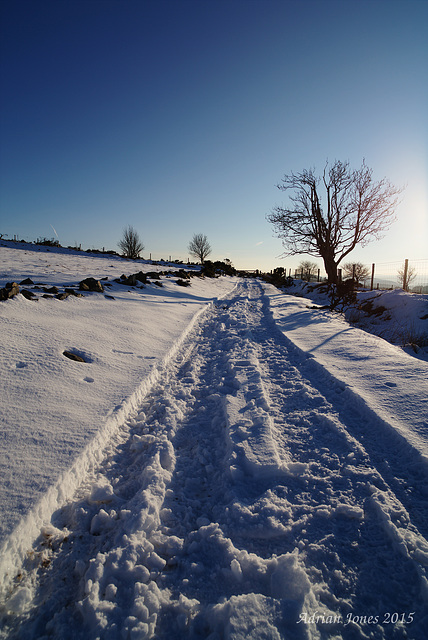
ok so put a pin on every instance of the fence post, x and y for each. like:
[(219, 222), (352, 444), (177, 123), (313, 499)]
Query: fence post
[(318, 276), (372, 280), (339, 275), (406, 268)]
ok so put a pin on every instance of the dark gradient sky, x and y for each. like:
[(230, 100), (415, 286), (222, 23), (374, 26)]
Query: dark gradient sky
[(181, 116)]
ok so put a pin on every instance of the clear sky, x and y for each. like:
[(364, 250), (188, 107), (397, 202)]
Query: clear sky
[(181, 116)]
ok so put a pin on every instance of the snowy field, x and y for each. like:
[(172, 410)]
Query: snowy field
[(229, 461)]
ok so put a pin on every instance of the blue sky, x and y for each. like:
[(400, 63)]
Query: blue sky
[(181, 116)]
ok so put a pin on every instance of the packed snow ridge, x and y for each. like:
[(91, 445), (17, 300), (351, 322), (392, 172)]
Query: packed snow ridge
[(262, 475)]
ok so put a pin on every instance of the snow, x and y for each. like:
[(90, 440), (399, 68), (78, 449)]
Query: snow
[(395, 315), (379, 373), (230, 461), (46, 394)]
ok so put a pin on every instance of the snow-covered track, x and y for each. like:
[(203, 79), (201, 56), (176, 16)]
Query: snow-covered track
[(243, 498)]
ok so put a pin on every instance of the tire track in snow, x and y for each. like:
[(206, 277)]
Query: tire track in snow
[(353, 501), (109, 522), (234, 500)]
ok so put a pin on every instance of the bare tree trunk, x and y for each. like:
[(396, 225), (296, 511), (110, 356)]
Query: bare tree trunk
[(331, 269)]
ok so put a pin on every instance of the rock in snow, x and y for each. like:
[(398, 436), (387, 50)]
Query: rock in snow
[(90, 284), (9, 290)]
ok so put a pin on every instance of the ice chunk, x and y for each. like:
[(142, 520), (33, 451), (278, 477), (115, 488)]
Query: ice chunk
[(19, 601), (236, 569), (289, 579), (202, 521), (101, 494), (350, 511)]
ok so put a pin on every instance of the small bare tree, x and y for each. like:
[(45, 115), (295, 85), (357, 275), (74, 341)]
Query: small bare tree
[(307, 269), (130, 244), (357, 271), (406, 275), (332, 214), (199, 247)]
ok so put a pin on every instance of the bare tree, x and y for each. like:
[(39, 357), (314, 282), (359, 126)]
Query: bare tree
[(307, 269), (356, 209), (357, 271), (406, 275), (199, 247), (130, 244)]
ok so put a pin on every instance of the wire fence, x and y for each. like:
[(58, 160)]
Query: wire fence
[(410, 275)]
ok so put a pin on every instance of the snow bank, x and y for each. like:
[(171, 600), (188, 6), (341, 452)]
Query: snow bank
[(397, 316), (376, 375)]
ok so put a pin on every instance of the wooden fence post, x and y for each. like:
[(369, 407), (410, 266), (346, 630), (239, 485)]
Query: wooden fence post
[(372, 280), (406, 269)]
